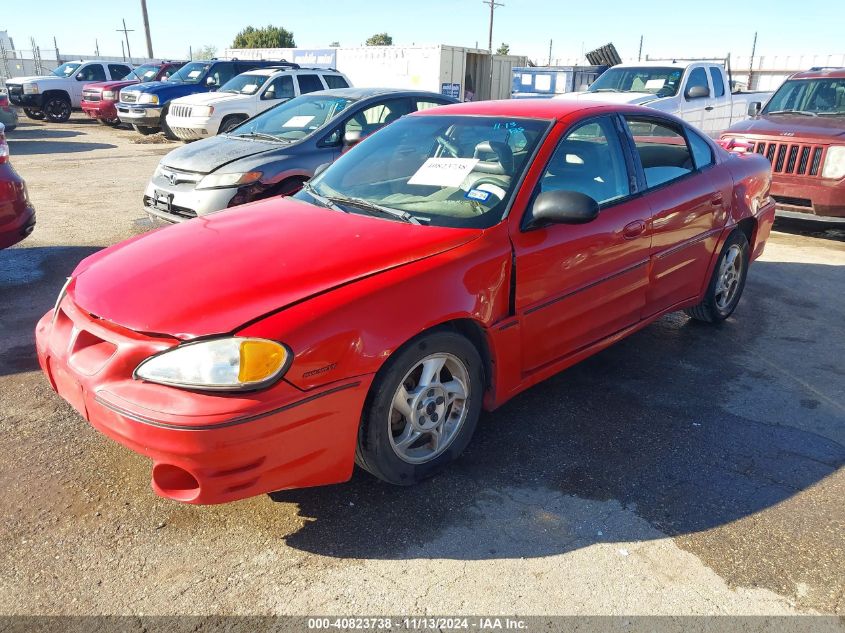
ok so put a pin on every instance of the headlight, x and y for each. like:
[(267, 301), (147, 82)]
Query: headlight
[(834, 163), (219, 181), (220, 364), (148, 98), (30, 89), (202, 110), (108, 94), (158, 171)]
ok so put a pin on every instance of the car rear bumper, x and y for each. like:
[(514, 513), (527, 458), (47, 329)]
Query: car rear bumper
[(809, 197), (106, 110), (17, 215), (192, 129), (140, 115), (204, 448)]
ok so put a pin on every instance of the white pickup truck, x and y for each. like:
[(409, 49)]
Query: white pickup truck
[(54, 96), (698, 92)]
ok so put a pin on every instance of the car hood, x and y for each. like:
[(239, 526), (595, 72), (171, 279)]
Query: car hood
[(792, 126), (110, 85), (213, 274), (20, 80), (634, 98), (213, 153)]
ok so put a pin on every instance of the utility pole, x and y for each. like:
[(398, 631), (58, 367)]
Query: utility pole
[(126, 33), (122, 50), (751, 63), (96, 48), (640, 55), (550, 52), (147, 28), (493, 6)]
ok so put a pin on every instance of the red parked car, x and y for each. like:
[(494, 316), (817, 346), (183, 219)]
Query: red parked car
[(99, 100), (445, 264), (17, 216), (802, 133)]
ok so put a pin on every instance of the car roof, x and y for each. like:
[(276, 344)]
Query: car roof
[(366, 93), (270, 70), (554, 109), (821, 73)]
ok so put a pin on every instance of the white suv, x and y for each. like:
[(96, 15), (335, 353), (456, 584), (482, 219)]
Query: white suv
[(206, 114)]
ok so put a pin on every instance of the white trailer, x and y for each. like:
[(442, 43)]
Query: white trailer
[(460, 72)]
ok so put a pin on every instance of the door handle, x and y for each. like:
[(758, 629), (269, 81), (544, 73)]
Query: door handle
[(633, 229), (708, 108)]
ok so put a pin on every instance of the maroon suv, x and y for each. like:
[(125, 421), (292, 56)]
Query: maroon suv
[(802, 133), (99, 100), (17, 216)]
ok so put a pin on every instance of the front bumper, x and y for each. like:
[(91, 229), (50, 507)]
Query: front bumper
[(182, 201), (105, 110), (141, 115), (809, 197), (205, 448), (31, 102), (192, 128)]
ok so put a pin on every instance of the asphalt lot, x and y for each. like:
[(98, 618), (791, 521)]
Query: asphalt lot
[(687, 470)]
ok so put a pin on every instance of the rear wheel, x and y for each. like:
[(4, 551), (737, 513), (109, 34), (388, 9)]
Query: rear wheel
[(143, 129), (423, 409), (57, 109), (35, 115), (726, 284)]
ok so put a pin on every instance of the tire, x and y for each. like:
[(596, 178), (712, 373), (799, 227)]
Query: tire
[(404, 453), (726, 283), (142, 129), (109, 122), (168, 133), (230, 122), (35, 115), (56, 109)]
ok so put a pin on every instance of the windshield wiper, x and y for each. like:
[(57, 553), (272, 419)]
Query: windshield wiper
[(326, 202), (804, 112), (270, 137), (831, 113), (371, 206), (606, 90)]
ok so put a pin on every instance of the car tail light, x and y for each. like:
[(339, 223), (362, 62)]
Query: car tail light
[(4, 101), (4, 149)]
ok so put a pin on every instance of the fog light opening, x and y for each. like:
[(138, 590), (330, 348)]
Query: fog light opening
[(175, 483)]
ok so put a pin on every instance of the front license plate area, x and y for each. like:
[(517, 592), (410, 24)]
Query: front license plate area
[(68, 388), (162, 201)]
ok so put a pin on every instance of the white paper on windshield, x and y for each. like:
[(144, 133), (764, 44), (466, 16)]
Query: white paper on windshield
[(526, 79), (543, 82), (248, 89), (194, 74), (654, 84), (443, 172), (299, 121)]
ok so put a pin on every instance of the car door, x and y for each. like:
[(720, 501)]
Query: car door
[(720, 115), (579, 283), (278, 90), (89, 73), (694, 108), (689, 196)]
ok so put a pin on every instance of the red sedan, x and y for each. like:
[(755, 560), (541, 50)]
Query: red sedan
[(17, 216), (445, 264)]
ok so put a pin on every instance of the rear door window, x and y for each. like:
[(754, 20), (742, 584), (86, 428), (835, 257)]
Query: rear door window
[(309, 83), (662, 149), (718, 82), (335, 81), (119, 71)]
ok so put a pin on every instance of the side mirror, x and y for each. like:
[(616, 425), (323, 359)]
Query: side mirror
[(563, 207), (80, 77), (320, 169), (209, 81), (352, 137), (697, 92), (754, 108)]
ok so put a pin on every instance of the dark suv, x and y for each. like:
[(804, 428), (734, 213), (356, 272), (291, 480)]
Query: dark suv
[(145, 105)]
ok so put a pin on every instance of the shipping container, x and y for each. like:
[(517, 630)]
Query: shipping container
[(463, 73), (548, 81)]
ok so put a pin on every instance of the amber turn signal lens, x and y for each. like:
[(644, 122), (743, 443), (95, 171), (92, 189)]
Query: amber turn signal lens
[(260, 359)]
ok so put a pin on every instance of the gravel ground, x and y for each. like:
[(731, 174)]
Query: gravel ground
[(687, 470)]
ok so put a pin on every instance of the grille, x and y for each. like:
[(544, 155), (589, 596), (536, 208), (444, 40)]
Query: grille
[(15, 89), (129, 97), (91, 96), (794, 202), (180, 110), (792, 158), (178, 212)]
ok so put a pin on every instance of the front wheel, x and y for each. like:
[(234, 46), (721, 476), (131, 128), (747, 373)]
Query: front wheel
[(35, 115), (57, 109), (143, 129), (726, 284), (423, 409)]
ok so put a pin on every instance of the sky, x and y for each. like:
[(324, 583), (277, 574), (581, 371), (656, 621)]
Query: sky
[(681, 29)]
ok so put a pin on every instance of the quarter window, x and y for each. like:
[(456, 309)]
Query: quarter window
[(589, 160), (119, 71), (662, 149), (309, 83), (718, 82), (335, 81), (701, 152)]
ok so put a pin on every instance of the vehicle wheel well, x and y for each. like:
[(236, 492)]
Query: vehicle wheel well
[(238, 117), (283, 185), (749, 227)]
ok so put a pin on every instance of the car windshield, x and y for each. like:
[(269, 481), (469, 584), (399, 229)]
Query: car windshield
[(244, 84), (823, 97), (441, 170), (66, 70), (145, 73), (192, 73), (663, 82), (296, 119)]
